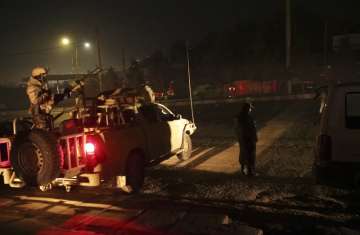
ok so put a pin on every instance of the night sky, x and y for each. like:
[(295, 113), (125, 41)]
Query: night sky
[(31, 30)]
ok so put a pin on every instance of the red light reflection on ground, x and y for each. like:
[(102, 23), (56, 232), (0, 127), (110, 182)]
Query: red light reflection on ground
[(91, 225)]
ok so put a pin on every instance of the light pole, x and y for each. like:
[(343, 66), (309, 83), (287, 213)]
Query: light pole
[(288, 34), (288, 42), (99, 59), (65, 41)]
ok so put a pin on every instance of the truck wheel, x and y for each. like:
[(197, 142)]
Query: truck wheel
[(135, 172), (187, 148), (36, 158)]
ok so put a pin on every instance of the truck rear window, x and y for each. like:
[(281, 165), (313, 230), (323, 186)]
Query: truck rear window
[(353, 110)]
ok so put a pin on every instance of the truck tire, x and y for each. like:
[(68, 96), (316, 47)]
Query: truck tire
[(187, 148), (36, 157), (135, 172)]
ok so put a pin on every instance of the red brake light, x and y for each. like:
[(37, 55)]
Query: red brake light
[(90, 148), (93, 149)]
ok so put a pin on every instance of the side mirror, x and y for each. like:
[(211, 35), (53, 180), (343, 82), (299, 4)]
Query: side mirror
[(178, 116)]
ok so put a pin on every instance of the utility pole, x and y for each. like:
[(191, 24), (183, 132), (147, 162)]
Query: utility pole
[(288, 42), (75, 59), (288, 34), (100, 66), (325, 43)]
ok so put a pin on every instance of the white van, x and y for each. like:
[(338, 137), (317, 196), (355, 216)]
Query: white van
[(337, 154)]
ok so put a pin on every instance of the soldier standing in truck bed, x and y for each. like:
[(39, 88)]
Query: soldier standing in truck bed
[(41, 99)]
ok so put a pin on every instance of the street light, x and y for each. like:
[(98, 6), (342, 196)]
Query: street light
[(87, 45), (65, 41)]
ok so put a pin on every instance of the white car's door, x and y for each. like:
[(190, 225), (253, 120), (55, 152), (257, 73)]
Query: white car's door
[(176, 125), (157, 132)]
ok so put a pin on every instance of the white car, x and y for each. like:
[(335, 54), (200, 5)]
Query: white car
[(337, 154)]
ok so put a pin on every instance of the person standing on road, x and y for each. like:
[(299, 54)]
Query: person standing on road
[(247, 137)]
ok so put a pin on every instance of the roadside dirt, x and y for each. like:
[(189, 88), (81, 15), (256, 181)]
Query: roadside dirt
[(283, 198), (206, 194)]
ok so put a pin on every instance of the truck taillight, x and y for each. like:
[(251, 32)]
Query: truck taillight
[(324, 148), (90, 148), (93, 150), (4, 153)]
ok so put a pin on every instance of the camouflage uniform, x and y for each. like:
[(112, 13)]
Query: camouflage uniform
[(41, 103)]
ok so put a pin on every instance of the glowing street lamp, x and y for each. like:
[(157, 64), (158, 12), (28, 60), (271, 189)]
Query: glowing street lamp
[(65, 41), (87, 45)]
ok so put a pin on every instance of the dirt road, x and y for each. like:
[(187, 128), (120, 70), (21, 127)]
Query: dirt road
[(284, 197)]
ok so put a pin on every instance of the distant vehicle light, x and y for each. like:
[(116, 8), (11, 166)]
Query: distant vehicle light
[(90, 148)]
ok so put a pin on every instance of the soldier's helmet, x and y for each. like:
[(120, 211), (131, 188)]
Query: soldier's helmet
[(38, 72)]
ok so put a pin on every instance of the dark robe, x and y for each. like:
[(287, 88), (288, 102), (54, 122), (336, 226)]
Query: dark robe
[(247, 137)]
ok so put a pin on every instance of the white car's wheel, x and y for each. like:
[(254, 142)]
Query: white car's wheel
[(187, 148)]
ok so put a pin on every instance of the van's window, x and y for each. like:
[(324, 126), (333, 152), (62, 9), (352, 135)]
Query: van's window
[(353, 110)]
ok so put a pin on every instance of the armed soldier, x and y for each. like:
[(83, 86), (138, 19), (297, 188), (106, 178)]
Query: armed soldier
[(41, 98)]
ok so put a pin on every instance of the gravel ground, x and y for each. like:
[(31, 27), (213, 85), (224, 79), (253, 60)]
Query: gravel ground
[(283, 198)]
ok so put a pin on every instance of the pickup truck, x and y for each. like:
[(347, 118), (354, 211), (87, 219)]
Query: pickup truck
[(92, 145)]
